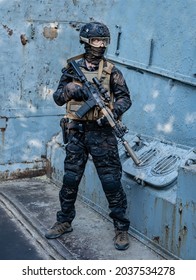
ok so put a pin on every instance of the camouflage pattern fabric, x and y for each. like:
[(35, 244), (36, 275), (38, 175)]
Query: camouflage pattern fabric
[(102, 145)]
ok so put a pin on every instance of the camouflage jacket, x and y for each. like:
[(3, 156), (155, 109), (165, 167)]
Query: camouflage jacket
[(118, 86)]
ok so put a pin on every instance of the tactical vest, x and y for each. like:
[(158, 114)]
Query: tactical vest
[(103, 74)]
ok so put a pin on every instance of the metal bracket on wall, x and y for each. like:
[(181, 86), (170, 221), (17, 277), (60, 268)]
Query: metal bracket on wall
[(150, 52), (117, 52), (141, 67), (3, 123)]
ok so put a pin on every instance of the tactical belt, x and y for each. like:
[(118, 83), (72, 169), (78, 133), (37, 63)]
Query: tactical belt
[(89, 125)]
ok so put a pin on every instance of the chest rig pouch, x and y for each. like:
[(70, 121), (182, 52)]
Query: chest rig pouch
[(103, 74)]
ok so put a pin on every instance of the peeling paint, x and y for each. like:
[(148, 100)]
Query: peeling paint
[(156, 239), (76, 25), (23, 39), (3, 126), (9, 30), (24, 170), (167, 232), (180, 209), (50, 32)]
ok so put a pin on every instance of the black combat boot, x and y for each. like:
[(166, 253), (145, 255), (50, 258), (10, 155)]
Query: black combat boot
[(121, 240), (58, 229)]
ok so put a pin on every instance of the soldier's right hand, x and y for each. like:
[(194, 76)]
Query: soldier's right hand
[(75, 91), (102, 121)]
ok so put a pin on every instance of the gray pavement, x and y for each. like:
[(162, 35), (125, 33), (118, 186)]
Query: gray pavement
[(29, 208)]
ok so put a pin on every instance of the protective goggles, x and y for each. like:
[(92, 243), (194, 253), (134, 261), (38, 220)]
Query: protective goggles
[(96, 41)]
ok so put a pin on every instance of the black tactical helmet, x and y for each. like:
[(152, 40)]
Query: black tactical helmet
[(94, 30)]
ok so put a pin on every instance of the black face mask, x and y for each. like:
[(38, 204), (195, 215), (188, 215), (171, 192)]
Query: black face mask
[(94, 55)]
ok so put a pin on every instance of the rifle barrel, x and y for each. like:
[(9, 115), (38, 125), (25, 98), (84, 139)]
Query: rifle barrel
[(131, 152)]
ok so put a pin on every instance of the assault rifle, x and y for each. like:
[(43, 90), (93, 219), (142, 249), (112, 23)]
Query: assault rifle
[(97, 94)]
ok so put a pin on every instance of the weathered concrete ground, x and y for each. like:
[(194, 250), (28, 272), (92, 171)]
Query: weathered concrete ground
[(28, 207)]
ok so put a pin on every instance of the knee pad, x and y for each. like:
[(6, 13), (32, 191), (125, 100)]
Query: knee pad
[(71, 179), (110, 183)]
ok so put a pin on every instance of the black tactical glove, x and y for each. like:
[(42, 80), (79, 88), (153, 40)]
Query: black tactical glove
[(83, 91), (75, 91), (102, 121), (116, 113)]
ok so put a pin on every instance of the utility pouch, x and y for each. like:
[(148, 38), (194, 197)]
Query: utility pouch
[(64, 126)]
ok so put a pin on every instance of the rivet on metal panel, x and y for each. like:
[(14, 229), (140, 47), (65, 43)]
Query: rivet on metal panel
[(3, 126), (75, 25), (128, 187)]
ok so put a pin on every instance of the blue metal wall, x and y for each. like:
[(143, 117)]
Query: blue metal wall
[(36, 38), (158, 40), (156, 53)]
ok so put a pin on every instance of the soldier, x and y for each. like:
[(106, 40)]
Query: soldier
[(93, 135)]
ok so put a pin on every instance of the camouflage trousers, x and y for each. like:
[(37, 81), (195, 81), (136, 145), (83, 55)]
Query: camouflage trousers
[(101, 144)]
